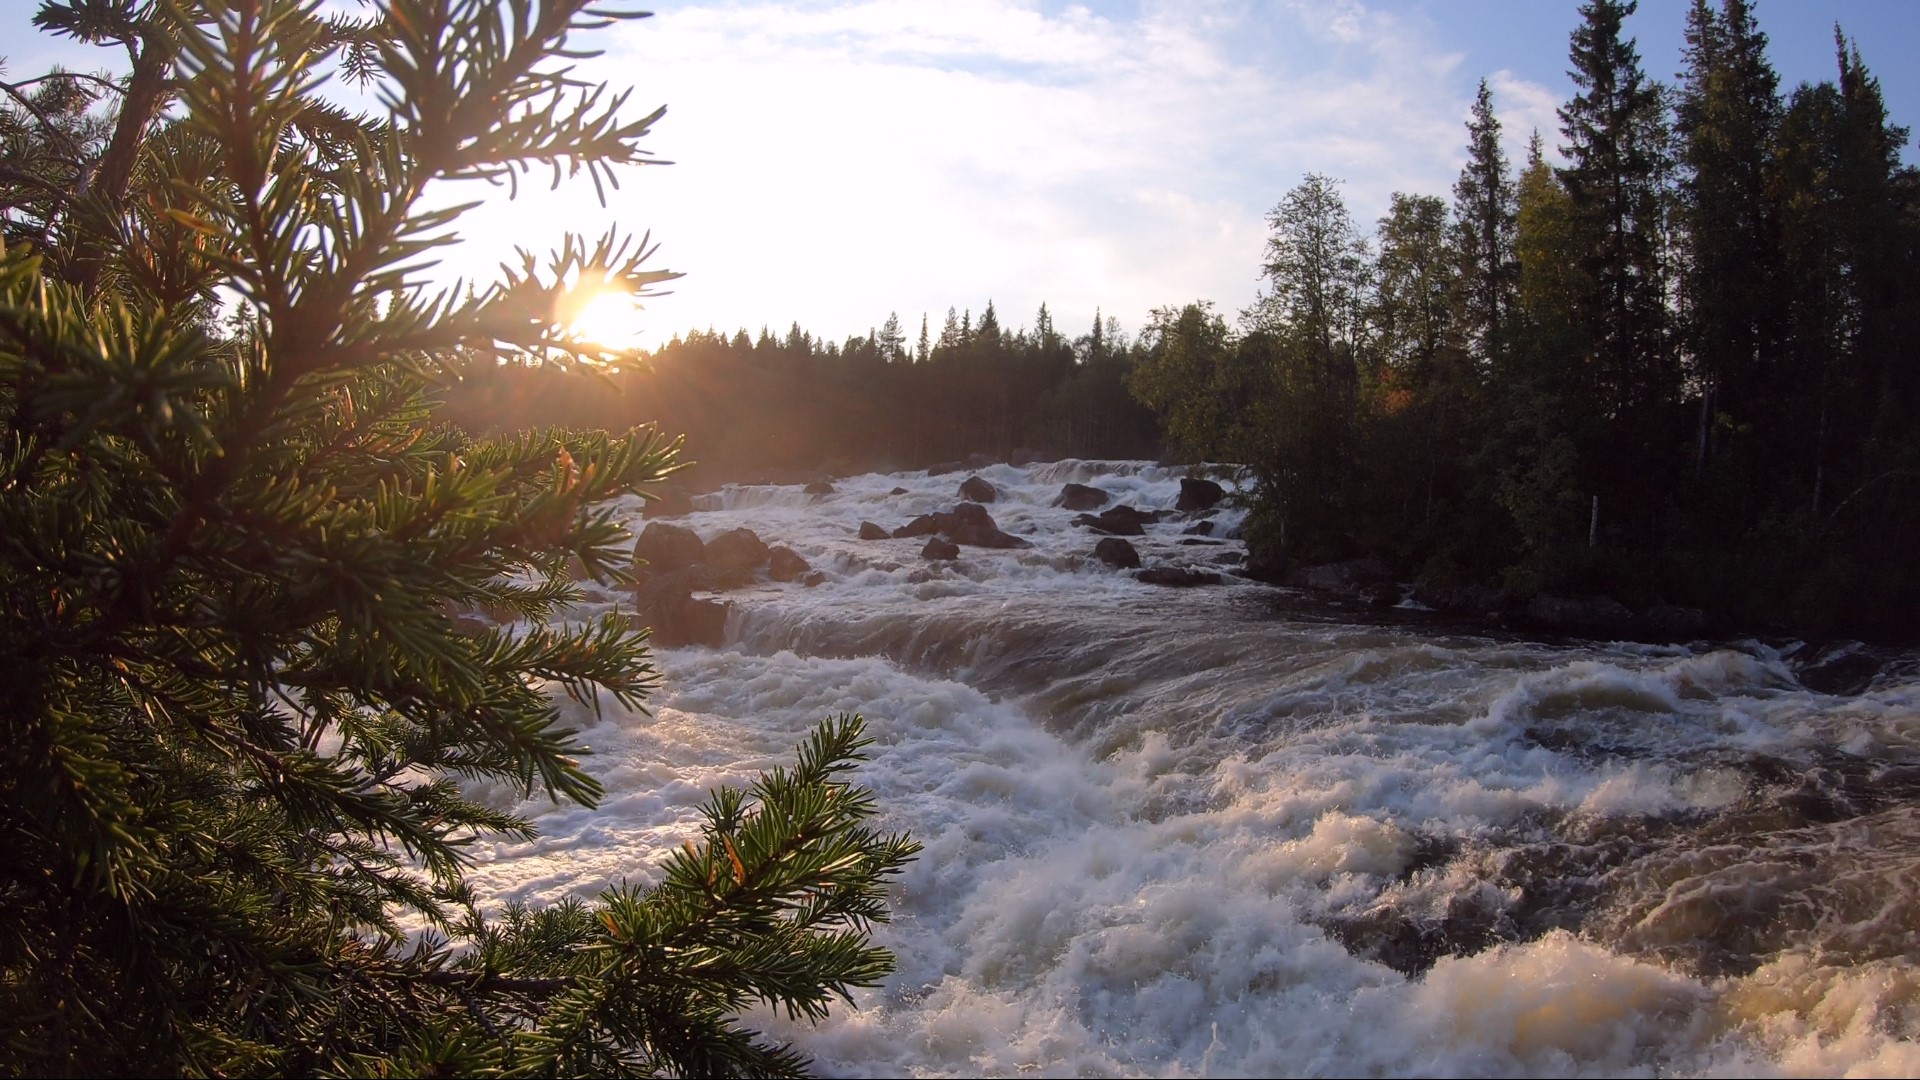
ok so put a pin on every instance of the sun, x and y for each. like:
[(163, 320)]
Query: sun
[(608, 317)]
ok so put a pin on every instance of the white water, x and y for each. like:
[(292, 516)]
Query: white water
[(1176, 832)]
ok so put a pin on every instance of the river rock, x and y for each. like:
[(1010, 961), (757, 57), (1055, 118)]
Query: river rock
[(667, 501), (870, 531), (1198, 528), (1266, 566), (818, 487), (1081, 497), (736, 550), (1845, 667), (1667, 622), (1586, 615), (1177, 576), (1198, 494), (667, 605), (664, 548), (938, 548), (1117, 553), (924, 525), (945, 467), (786, 564), (1470, 599), (898, 491), (970, 524), (812, 579), (1341, 576), (1110, 526), (978, 490)]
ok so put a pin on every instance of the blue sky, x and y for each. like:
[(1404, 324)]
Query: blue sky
[(839, 160)]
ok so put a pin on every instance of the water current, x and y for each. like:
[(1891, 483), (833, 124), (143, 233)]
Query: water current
[(1221, 831)]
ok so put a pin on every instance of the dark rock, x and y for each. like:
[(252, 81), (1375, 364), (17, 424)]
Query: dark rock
[(1670, 623), (945, 467), (1133, 514), (785, 564), (665, 548), (970, 524), (1842, 668), (1198, 528), (1266, 566), (924, 525), (1341, 576), (1593, 615), (1195, 541), (1177, 576), (1081, 497), (470, 625), (736, 550), (667, 502), (1198, 494), (898, 491), (666, 603), (1111, 527), (978, 490), (818, 487), (1380, 594), (940, 549), (1470, 599), (1116, 553), (812, 578), (870, 531)]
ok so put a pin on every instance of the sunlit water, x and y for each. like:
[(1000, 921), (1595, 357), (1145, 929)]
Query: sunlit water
[(1182, 832)]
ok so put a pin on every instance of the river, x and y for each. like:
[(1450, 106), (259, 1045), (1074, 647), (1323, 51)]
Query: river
[(1221, 831)]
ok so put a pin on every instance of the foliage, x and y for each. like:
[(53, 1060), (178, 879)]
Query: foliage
[(239, 698)]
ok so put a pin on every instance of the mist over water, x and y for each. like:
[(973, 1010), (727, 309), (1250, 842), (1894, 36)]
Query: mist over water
[(1212, 832)]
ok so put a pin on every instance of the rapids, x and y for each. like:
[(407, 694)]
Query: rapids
[(1213, 832)]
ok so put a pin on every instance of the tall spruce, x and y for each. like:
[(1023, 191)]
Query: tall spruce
[(246, 672), (1727, 115), (1485, 208)]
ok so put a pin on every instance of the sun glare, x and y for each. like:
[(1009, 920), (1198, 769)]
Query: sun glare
[(611, 318)]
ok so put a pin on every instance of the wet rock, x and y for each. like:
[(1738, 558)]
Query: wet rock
[(1470, 599), (812, 579), (1081, 497), (970, 524), (665, 548), (1346, 576), (1177, 576), (1586, 615), (818, 487), (898, 491), (1197, 494), (666, 604), (1266, 566), (1110, 526), (1116, 553), (1133, 514), (938, 548), (1845, 667), (786, 564), (978, 490), (1195, 541), (924, 525), (668, 501), (736, 550), (945, 467), (1198, 528), (870, 531), (1666, 622)]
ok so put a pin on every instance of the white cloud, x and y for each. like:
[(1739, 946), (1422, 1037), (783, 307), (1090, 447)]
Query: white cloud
[(838, 161)]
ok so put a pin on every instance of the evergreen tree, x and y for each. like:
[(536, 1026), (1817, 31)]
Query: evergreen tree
[(1484, 221), (242, 681), (920, 349)]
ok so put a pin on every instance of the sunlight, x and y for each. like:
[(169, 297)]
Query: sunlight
[(609, 317)]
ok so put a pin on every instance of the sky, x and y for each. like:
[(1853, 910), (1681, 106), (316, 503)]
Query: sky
[(839, 160)]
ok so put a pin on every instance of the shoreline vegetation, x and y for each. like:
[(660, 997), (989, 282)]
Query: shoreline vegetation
[(1676, 370)]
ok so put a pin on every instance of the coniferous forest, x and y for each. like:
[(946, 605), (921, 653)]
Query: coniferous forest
[(1678, 363)]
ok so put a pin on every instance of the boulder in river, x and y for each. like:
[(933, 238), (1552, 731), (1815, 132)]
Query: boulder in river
[(924, 525), (978, 490), (667, 501), (736, 550), (870, 531), (1584, 615), (1081, 497), (1198, 528), (898, 491), (1198, 494), (970, 524), (818, 487), (945, 467), (938, 548), (1177, 576), (1341, 576), (1116, 553), (1112, 526), (667, 604), (664, 548), (786, 564)]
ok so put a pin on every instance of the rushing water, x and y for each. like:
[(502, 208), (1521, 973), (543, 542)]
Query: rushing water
[(1200, 832)]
